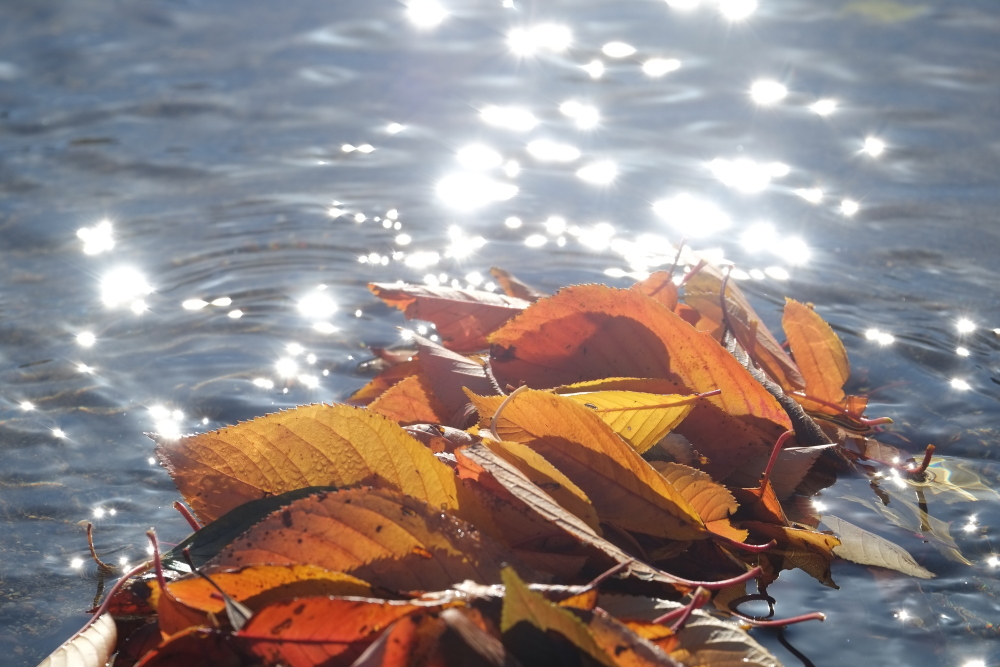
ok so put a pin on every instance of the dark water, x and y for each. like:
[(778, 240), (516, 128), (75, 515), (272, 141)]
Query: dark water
[(211, 135)]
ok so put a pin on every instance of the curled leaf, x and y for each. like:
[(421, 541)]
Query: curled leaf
[(91, 648)]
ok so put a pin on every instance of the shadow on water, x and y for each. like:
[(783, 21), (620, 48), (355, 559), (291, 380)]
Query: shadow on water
[(259, 163)]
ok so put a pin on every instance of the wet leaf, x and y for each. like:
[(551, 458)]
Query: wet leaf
[(91, 648), (592, 332), (322, 630), (640, 419), (522, 605), (702, 292), (197, 647), (331, 445), (623, 488), (860, 546), (463, 317), (383, 537), (819, 353), (548, 478), (791, 467), (805, 549), (411, 401)]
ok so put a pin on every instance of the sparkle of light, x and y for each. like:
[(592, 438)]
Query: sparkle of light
[(59, 433), (472, 190), (849, 207), (422, 259), (961, 385), (403, 239), (965, 325), (962, 351), (767, 91), (286, 367), (76, 563), (585, 115), (873, 147), (598, 173), (194, 304), (535, 241), (235, 314), (618, 50), (595, 68), (823, 107), (683, 4), (656, 67), (310, 381), (317, 305), (27, 405), (742, 174), (880, 337), (513, 222), (394, 128), (552, 151), (123, 285), (691, 216), (97, 239), (85, 339), (222, 302), (811, 195), (544, 36), (425, 13)]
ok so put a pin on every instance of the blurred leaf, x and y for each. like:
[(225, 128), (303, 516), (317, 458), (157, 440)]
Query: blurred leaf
[(511, 286), (411, 401), (387, 378), (660, 287)]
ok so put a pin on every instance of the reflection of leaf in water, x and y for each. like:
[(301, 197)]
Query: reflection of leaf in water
[(954, 481), (912, 518), (885, 11)]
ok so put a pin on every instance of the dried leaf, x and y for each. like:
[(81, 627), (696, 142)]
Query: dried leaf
[(380, 536), (819, 353), (702, 292), (859, 546), (91, 648), (713, 502), (196, 647), (640, 419), (806, 549), (463, 317), (321, 630), (523, 605), (411, 401), (623, 487), (791, 467), (548, 478), (335, 445), (627, 648), (591, 332), (414, 639), (381, 382), (660, 287), (449, 374)]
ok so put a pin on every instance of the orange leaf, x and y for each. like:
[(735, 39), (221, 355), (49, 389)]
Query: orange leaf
[(463, 317), (411, 401), (590, 332), (659, 286), (803, 548), (820, 355), (312, 445), (702, 292), (196, 647), (255, 586), (623, 487), (547, 477), (449, 374), (381, 536), (383, 381), (322, 630), (713, 502)]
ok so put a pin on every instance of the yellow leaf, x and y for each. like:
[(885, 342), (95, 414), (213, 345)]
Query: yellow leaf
[(640, 418), (819, 353), (713, 502), (623, 487), (312, 445)]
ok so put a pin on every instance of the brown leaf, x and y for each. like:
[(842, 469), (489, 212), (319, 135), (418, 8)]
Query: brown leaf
[(791, 467), (380, 536), (591, 332), (463, 317), (411, 401), (522, 605), (806, 549), (627, 648), (623, 488), (859, 546), (449, 375), (91, 648), (819, 353), (702, 292), (197, 647), (511, 286), (312, 445)]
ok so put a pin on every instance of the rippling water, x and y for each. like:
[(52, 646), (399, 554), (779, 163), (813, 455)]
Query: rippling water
[(240, 171)]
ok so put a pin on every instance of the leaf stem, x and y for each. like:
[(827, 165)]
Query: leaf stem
[(101, 565), (774, 457), (496, 416), (188, 516)]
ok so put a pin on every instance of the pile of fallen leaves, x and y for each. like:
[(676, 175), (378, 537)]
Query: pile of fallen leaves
[(564, 479)]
